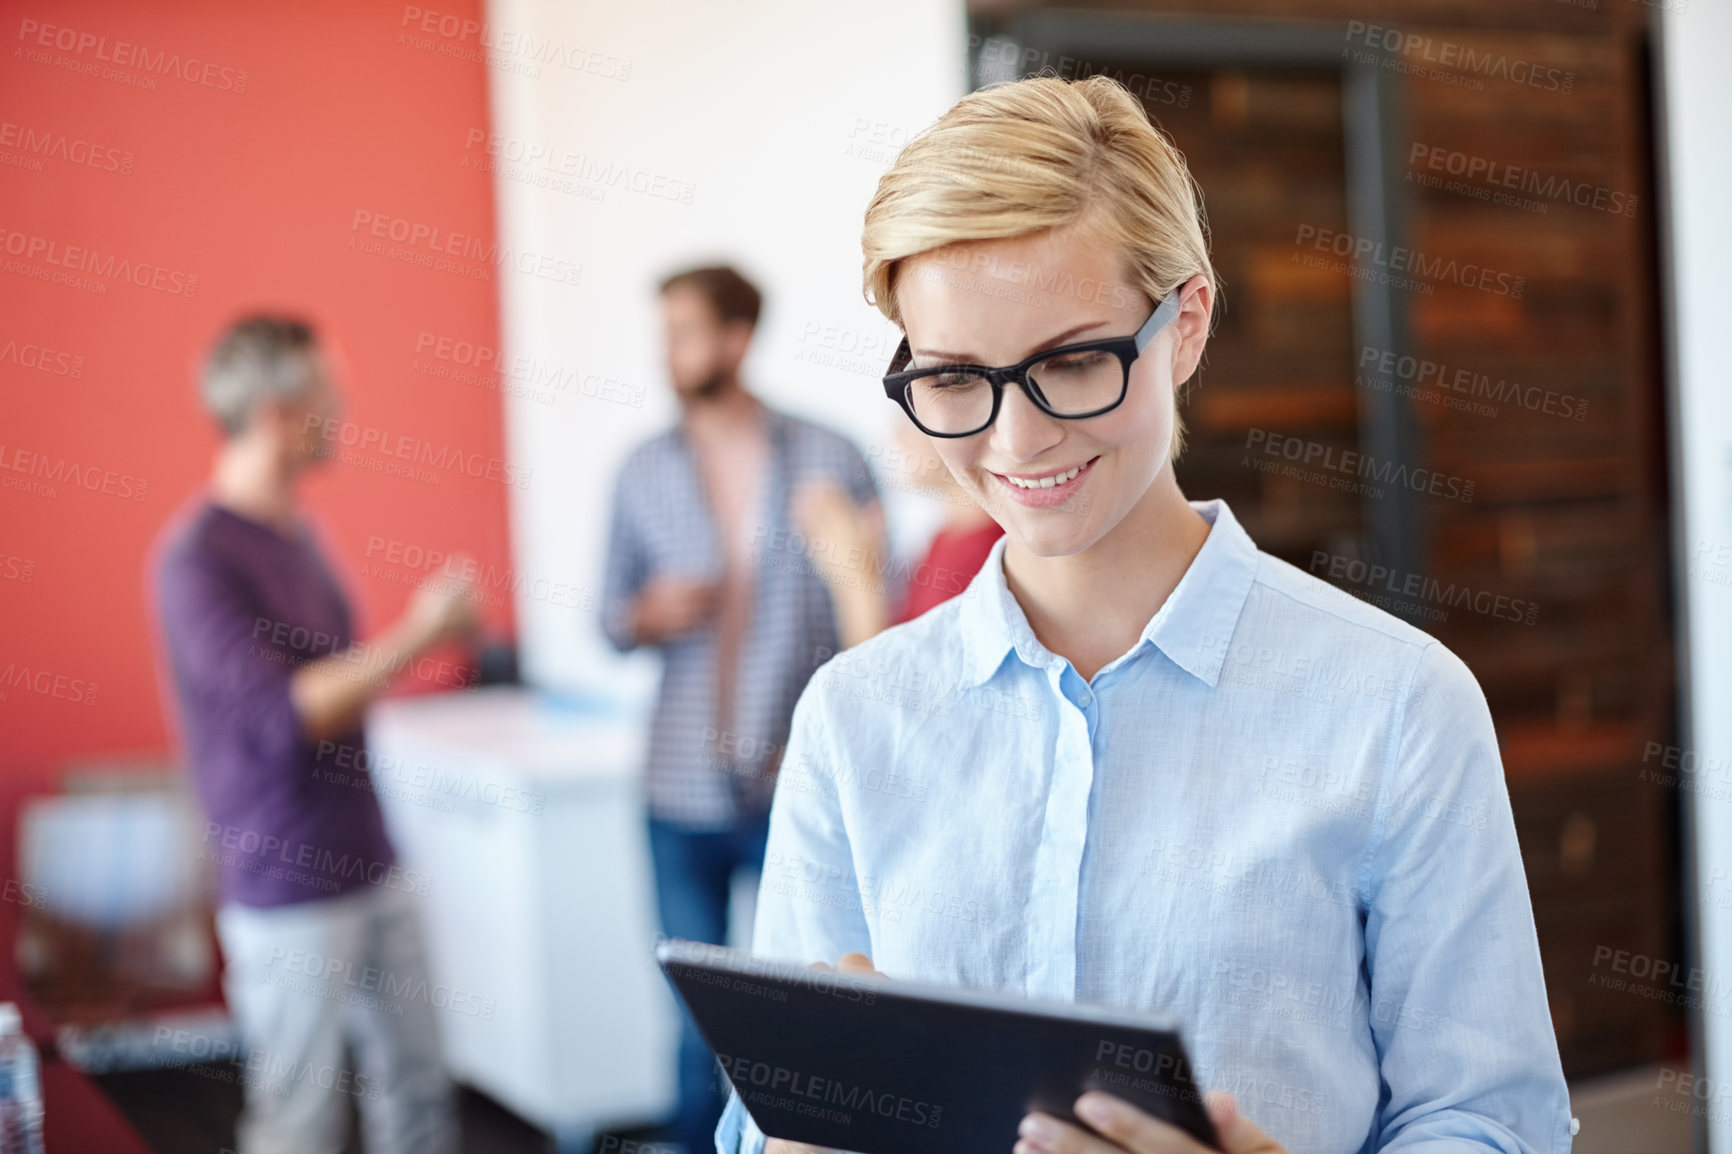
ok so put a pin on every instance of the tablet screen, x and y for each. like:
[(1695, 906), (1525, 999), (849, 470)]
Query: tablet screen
[(885, 1067)]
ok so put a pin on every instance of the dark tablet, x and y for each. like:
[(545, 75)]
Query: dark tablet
[(888, 1067)]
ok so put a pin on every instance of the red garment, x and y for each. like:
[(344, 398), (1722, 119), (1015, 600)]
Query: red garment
[(953, 559)]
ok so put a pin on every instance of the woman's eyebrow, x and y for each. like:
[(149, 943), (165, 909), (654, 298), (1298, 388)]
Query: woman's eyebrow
[(1050, 342)]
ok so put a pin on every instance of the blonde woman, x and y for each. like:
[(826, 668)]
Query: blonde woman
[(1139, 761)]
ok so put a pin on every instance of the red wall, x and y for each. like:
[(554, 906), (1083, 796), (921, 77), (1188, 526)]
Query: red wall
[(250, 183)]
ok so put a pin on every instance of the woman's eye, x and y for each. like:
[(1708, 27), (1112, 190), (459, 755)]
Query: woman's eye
[(1074, 362)]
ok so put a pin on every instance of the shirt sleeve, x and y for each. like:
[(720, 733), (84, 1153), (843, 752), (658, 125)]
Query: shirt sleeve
[(1458, 1001), (810, 901), (736, 1133), (624, 570), (227, 669), (857, 476), (809, 906)]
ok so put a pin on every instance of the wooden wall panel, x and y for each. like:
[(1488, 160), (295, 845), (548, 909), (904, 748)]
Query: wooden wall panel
[(1562, 440)]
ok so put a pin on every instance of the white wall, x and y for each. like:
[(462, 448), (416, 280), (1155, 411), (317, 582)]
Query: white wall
[(779, 116), (1697, 96)]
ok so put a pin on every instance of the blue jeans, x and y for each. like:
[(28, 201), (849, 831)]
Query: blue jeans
[(694, 871)]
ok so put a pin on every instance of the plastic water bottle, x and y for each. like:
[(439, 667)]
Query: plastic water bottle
[(20, 1087)]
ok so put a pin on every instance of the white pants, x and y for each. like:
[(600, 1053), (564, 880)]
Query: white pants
[(304, 981)]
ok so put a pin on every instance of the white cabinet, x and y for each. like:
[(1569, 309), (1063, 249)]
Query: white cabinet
[(524, 813)]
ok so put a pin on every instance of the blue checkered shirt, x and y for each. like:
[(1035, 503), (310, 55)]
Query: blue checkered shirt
[(702, 771)]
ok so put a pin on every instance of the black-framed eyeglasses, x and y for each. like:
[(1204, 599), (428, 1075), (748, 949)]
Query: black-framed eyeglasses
[(1070, 382)]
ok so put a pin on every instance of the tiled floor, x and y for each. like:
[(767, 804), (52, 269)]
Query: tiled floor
[(192, 1110)]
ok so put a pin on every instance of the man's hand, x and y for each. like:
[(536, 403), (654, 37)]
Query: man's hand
[(331, 695), (441, 610), (1120, 1127), (846, 964), (670, 606)]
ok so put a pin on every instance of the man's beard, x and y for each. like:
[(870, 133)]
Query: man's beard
[(708, 387)]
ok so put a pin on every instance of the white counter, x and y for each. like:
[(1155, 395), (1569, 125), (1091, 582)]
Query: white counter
[(525, 812)]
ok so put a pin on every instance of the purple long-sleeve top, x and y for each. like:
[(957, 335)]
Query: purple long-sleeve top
[(288, 818)]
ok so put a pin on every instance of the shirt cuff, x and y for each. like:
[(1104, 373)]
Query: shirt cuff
[(736, 1133)]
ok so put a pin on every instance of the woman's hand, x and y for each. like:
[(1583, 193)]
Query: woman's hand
[(1120, 1127), (852, 964), (823, 510), (855, 543)]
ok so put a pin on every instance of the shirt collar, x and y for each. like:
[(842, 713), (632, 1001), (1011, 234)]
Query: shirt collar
[(1192, 628)]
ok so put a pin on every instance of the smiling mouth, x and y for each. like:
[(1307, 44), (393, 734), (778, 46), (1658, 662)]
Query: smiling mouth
[(1049, 481)]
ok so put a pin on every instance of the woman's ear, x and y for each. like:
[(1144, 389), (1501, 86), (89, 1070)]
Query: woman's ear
[(1191, 327)]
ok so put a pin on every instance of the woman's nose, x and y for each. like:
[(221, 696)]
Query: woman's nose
[(1022, 432)]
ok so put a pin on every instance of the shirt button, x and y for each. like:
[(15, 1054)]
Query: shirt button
[(1084, 698)]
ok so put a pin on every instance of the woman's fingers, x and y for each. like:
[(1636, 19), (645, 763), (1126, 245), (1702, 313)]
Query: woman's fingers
[(1238, 1134), (1224, 1113), (857, 963), (1116, 1126), (1132, 1129), (1041, 1133)]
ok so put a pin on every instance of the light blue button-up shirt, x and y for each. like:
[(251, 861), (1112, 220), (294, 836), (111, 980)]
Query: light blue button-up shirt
[(1279, 818)]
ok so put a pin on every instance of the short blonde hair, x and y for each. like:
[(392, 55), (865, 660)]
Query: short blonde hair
[(1036, 154)]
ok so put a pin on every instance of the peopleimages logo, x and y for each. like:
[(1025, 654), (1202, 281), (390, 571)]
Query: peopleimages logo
[(124, 54), (48, 684), (747, 1073), (253, 850), (1416, 51), (510, 50), (59, 146), (109, 266), (1027, 61), (41, 358), (427, 245), (1420, 589), (533, 373), (1418, 374), (418, 450), (547, 164), (1347, 462), (1401, 259), (47, 472), (1508, 176), (333, 971)]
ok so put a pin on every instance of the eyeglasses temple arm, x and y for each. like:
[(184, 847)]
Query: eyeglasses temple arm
[(1169, 308), (900, 358)]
